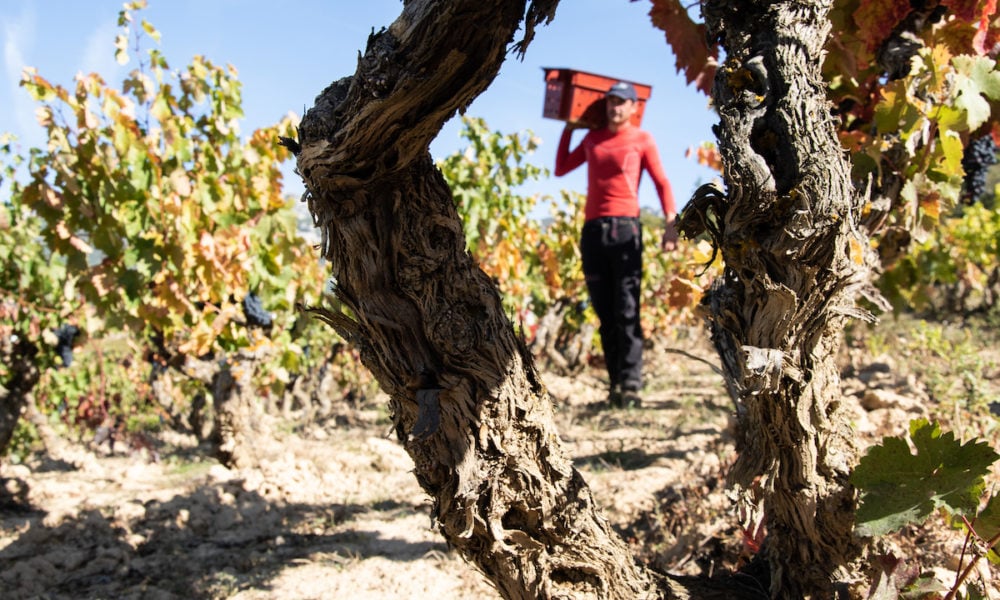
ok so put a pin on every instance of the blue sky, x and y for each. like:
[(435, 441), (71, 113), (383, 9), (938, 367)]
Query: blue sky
[(287, 52)]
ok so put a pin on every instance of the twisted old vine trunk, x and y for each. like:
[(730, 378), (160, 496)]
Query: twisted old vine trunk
[(241, 436), (466, 401), (787, 229)]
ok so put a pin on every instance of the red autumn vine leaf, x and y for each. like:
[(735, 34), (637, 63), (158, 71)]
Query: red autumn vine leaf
[(687, 39), (963, 9), (984, 40), (877, 18), (974, 27)]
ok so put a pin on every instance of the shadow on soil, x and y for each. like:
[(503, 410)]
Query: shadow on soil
[(212, 542)]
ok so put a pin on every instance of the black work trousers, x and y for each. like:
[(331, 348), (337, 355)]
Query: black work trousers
[(611, 249)]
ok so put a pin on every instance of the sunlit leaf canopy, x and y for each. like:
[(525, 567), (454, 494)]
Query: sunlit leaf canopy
[(165, 214)]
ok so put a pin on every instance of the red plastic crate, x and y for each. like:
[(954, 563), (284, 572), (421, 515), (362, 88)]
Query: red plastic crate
[(578, 97)]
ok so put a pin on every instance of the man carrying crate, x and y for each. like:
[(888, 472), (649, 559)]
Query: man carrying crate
[(611, 240)]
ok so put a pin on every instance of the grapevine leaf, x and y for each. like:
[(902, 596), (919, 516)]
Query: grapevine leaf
[(121, 49), (150, 30), (963, 9), (687, 39), (953, 148), (876, 19), (896, 112), (898, 488), (977, 109), (987, 525), (982, 71), (926, 585), (979, 40), (950, 117)]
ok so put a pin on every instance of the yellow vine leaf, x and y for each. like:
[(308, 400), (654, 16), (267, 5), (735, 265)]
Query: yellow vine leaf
[(931, 205), (200, 341), (550, 263), (703, 251)]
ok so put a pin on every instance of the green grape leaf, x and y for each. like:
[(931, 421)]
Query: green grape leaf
[(951, 117), (898, 487), (983, 71), (970, 99), (150, 30), (951, 145), (987, 525)]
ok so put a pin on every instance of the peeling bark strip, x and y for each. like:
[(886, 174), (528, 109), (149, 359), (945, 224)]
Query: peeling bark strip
[(785, 227)]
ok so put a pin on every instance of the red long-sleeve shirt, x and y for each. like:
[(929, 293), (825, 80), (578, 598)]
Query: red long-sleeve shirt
[(615, 162)]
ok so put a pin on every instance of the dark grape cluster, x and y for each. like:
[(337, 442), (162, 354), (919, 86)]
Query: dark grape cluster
[(980, 155), (65, 335), (253, 310)]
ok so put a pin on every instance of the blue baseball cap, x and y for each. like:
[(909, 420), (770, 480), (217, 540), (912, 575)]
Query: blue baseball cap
[(623, 90)]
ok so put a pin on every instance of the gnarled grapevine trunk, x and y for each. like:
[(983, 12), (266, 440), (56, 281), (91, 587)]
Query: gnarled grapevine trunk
[(466, 401), (787, 229), (241, 436)]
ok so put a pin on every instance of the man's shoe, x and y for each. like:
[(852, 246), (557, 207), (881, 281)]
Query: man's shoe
[(630, 398), (615, 397)]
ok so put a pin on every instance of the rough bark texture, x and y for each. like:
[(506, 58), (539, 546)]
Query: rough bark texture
[(466, 401), (787, 229), (14, 393)]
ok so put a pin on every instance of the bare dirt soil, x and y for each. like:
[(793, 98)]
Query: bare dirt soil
[(339, 515)]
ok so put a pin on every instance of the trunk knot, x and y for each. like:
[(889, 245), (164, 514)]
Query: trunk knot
[(747, 82)]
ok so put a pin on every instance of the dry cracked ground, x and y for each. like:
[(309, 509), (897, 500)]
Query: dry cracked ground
[(339, 514)]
